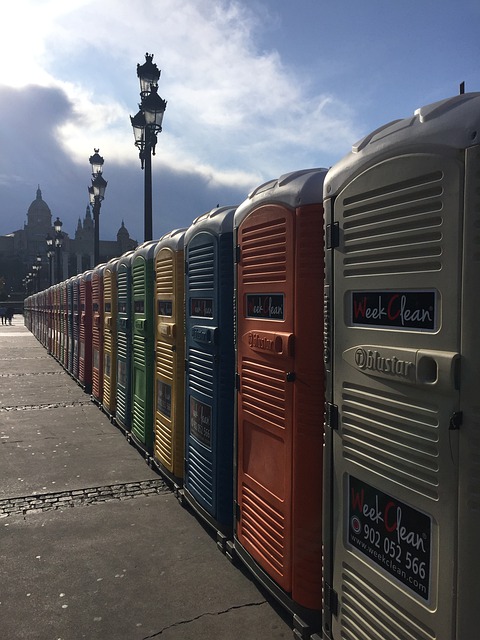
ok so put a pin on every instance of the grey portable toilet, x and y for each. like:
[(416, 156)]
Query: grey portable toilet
[(402, 352)]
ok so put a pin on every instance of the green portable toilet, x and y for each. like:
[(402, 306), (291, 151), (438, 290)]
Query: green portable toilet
[(143, 333), (123, 395)]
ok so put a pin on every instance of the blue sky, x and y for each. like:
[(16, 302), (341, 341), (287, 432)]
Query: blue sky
[(255, 88)]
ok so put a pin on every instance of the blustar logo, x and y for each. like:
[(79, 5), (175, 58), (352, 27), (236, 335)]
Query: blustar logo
[(373, 360)]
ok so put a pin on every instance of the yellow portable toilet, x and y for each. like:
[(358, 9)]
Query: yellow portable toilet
[(169, 356)]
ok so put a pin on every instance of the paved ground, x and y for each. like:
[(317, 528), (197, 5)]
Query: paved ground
[(93, 544)]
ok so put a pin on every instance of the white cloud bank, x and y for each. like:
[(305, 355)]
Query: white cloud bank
[(236, 114)]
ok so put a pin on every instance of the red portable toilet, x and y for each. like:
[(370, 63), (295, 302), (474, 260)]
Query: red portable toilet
[(76, 324), (64, 324), (85, 332), (280, 389)]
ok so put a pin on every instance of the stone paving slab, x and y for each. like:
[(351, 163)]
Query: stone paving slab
[(130, 570), (38, 389), (64, 448)]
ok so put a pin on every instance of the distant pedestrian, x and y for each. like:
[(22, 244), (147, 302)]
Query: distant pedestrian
[(9, 315), (3, 312)]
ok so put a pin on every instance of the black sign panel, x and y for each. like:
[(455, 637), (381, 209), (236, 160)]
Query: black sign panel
[(165, 308), (265, 306), (201, 307), (164, 398), (201, 422), (391, 534), (409, 310)]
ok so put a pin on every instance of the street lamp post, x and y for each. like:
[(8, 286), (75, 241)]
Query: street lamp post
[(147, 123), (50, 254), (58, 248), (97, 194), (35, 278), (36, 272)]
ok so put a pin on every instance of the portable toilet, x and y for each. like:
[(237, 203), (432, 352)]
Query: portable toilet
[(280, 388), (210, 368), (56, 322), (142, 345), (123, 399), (76, 324), (402, 436), (64, 324), (97, 333), (50, 320), (169, 391), (110, 336), (43, 317), (85, 332), (70, 323)]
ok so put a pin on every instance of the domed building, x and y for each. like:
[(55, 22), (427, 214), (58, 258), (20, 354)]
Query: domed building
[(19, 249)]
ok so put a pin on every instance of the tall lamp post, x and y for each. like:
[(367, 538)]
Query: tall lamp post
[(50, 254), (37, 266), (147, 123), (58, 248), (97, 194)]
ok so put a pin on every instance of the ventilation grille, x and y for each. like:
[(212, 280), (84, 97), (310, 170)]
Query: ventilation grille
[(121, 412), (122, 285), (201, 267), (395, 229), (138, 420), (107, 375), (392, 436), (163, 441), (138, 279), (165, 360), (264, 252), (263, 393), (139, 351), (164, 273), (122, 345), (107, 286), (201, 372), (263, 528), (200, 476), (367, 614)]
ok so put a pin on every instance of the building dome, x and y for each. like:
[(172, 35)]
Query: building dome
[(123, 232), (39, 212)]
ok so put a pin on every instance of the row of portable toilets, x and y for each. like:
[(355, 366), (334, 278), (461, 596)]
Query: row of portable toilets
[(304, 369), (221, 402)]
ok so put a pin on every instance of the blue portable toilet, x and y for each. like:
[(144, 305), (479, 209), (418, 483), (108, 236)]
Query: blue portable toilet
[(210, 368), (123, 415)]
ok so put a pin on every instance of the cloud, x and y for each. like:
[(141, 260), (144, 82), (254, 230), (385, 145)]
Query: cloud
[(224, 91), (237, 113)]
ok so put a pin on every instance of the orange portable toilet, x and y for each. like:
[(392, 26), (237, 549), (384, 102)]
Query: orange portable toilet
[(280, 389)]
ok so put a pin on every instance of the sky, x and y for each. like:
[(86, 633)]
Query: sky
[(254, 89)]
